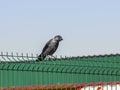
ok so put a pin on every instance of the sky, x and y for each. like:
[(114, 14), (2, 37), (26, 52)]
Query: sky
[(88, 27)]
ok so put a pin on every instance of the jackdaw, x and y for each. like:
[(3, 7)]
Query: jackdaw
[(50, 47)]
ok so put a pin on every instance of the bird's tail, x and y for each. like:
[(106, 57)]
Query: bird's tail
[(41, 57)]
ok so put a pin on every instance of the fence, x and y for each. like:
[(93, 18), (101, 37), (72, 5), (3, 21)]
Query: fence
[(23, 70)]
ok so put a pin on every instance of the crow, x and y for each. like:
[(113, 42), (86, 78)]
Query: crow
[(50, 47)]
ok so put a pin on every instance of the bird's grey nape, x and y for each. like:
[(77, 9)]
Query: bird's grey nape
[(58, 37)]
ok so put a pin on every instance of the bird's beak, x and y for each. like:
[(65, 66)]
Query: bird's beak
[(61, 39)]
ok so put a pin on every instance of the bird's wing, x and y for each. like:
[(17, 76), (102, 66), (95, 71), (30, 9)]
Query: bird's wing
[(56, 46), (46, 46), (51, 51)]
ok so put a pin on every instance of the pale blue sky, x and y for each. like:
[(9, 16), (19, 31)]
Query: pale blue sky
[(87, 26)]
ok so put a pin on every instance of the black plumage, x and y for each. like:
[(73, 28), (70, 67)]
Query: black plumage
[(50, 47)]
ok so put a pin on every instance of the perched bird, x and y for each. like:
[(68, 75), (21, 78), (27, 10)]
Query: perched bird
[(50, 47)]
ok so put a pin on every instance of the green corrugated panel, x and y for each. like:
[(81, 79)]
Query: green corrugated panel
[(61, 71)]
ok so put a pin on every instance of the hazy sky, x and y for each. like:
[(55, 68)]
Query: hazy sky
[(87, 26)]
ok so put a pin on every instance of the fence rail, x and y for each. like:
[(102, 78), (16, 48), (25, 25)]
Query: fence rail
[(21, 70), (15, 57)]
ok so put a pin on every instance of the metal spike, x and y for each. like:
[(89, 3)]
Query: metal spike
[(27, 56), (17, 55), (13, 56), (2, 55), (22, 55)]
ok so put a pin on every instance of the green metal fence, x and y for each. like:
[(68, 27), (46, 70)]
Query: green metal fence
[(23, 70)]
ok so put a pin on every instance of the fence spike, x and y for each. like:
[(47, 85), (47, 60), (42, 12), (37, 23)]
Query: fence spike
[(27, 57), (8, 56), (22, 55), (18, 57), (32, 57), (12, 55), (2, 55)]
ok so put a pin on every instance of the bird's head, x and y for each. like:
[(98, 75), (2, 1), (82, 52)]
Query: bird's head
[(58, 38)]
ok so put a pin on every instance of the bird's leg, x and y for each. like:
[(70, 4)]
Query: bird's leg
[(50, 56), (53, 56)]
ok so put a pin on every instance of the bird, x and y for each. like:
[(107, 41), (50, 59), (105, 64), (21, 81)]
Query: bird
[(50, 47)]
